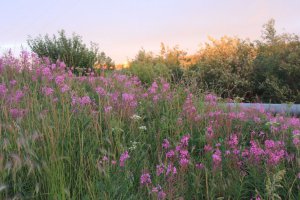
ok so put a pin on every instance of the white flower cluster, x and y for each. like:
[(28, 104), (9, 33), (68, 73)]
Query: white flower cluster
[(136, 117), (143, 128)]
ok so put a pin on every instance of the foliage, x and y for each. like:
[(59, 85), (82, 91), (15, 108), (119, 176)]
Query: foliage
[(92, 137), (72, 51)]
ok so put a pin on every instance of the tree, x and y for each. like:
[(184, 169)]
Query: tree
[(72, 51)]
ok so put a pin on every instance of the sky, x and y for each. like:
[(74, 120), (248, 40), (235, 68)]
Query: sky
[(123, 27)]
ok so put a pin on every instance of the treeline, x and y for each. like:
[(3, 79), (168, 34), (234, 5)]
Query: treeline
[(266, 70)]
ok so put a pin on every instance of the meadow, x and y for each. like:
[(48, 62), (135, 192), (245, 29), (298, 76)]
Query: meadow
[(64, 136)]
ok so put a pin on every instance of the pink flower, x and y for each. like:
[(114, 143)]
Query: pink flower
[(47, 91), (3, 90), (217, 158), (13, 82), (145, 179), (207, 148), (160, 169), (100, 91), (85, 100), (184, 140), (105, 158), (296, 141), (166, 144), (200, 166), (161, 195), (64, 88), (153, 88), (170, 154), (183, 162), (107, 109), (113, 162), (123, 158), (59, 80), (233, 140)]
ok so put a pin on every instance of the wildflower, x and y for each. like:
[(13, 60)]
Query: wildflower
[(296, 132), (153, 88), (154, 189), (233, 140), (256, 151), (207, 148), (210, 99), (166, 144), (170, 154), (3, 90), (18, 96), (47, 72), (59, 80), (133, 145), (160, 169), (13, 82), (296, 141), (123, 158), (100, 91), (184, 140), (17, 113), (105, 158), (85, 100), (47, 91), (107, 109), (161, 195), (113, 162), (135, 117), (143, 128), (165, 87), (200, 166), (145, 179), (183, 162), (174, 170), (64, 88), (217, 158)]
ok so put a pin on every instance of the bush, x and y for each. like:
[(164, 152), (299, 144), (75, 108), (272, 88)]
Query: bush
[(72, 51)]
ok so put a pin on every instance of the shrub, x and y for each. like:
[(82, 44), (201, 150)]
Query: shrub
[(72, 51)]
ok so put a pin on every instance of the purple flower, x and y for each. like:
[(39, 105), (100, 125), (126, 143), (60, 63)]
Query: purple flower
[(13, 82), (19, 95), (184, 162), (59, 80), (200, 166), (217, 158), (100, 91), (17, 113), (47, 91), (47, 72), (160, 169), (185, 140), (153, 88), (3, 90), (145, 179), (166, 144), (123, 158), (85, 100), (207, 148), (170, 154), (107, 109), (296, 141), (64, 88), (161, 195)]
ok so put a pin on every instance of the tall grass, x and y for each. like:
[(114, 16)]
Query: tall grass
[(68, 137)]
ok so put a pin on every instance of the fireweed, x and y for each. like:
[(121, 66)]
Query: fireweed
[(110, 137)]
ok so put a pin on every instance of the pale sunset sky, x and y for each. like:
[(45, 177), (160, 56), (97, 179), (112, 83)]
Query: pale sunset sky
[(122, 27)]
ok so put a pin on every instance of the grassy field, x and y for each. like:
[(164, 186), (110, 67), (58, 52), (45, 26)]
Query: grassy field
[(94, 137)]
